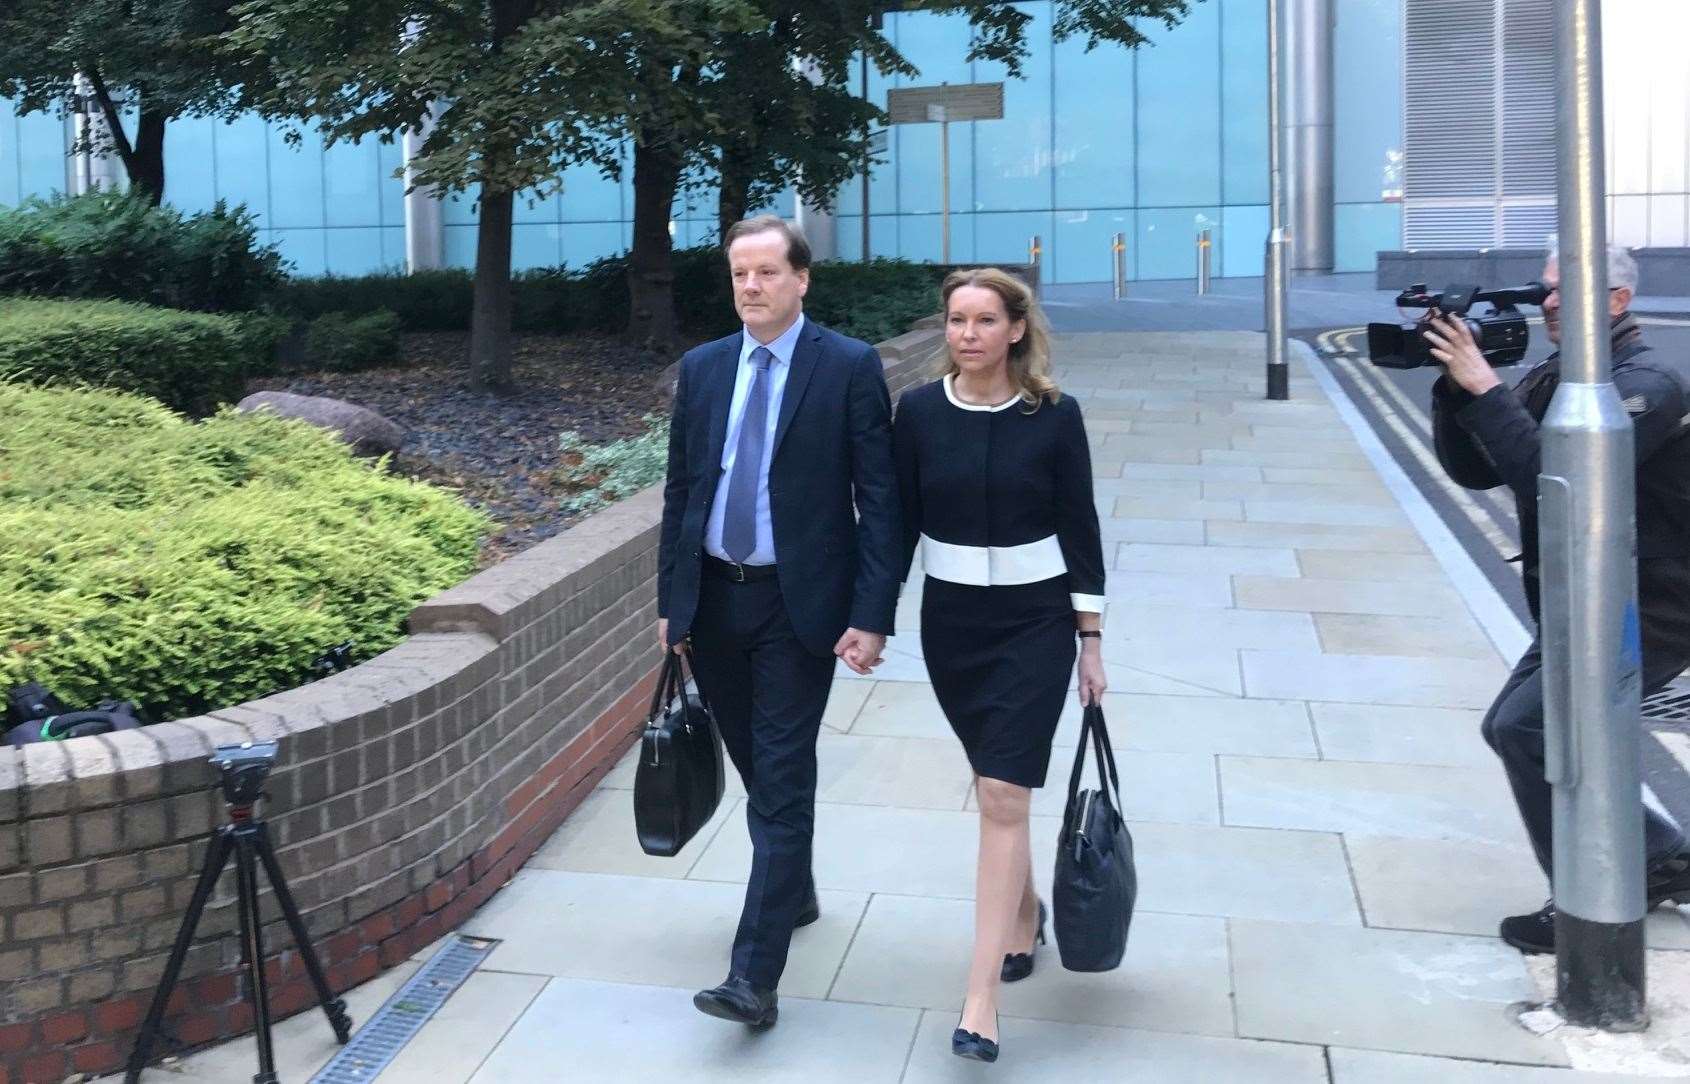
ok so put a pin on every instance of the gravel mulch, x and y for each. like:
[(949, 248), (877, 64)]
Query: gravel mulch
[(500, 452)]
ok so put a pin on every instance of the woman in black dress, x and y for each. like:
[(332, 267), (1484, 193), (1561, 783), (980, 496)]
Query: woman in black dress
[(995, 476)]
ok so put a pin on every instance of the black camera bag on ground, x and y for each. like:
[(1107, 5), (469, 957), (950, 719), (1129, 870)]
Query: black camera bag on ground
[(35, 714), (680, 778), (1096, 883)]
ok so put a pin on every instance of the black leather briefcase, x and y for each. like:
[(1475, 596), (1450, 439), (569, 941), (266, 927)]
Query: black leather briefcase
[(1096, 883), (679, 781)]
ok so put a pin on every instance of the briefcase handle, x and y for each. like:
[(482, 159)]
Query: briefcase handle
[(1093, 727), (672, 683)]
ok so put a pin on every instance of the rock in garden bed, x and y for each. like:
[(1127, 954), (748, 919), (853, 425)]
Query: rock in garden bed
[(500, 452)]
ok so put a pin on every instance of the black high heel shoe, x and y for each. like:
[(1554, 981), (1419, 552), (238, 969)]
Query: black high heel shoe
[(1018, 965), (971, 1044)]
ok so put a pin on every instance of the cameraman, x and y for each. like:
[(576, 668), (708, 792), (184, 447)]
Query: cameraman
[(1487, 436)]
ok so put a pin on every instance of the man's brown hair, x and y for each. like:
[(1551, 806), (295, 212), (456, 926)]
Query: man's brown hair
[(797, 246)]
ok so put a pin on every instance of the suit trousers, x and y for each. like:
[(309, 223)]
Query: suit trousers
[(1514, 729), (768, 694)]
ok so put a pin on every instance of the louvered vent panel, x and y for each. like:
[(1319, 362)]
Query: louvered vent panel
[(1527, 225), (1446, 226), (1528, 98), (1450, 66)]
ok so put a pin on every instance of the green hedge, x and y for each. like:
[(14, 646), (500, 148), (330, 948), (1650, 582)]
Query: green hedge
[(871, 301), (342, 342), (118, 246), (190, 566), (190, 361)]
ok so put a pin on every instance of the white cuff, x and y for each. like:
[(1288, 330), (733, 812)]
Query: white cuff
[(1088, 604)]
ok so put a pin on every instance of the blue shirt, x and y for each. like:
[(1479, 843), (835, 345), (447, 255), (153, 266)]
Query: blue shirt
[(782, 349)]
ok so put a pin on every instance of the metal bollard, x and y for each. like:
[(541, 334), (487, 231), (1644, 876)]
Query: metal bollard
[(1118, 247), (1035, 255), (1203, 248)]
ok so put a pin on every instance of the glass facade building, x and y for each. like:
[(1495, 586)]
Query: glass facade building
[(1156, 143)]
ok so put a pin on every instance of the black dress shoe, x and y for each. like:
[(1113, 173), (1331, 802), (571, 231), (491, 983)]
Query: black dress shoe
[(971, 1044), (1532, 934), (811, 912), (1018, 965), (738, 1000), (1669, 881)]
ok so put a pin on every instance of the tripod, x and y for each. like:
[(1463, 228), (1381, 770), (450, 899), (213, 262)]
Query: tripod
[(248, 839)]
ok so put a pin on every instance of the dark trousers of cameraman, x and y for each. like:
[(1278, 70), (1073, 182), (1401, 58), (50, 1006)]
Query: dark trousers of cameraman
[(1514, 728)]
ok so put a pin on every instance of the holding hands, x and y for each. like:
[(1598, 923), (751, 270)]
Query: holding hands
[(860, 650)]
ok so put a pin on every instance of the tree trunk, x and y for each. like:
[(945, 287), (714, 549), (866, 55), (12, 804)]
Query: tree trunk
[(735, 191), (651, 272), (490, 321), (146, 164), (142, 160)]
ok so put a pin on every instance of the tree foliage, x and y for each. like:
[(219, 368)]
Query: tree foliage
[(158, 60)]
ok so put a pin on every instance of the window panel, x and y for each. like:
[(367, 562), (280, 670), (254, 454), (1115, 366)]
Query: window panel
[(354, 250), (1079, 248), (241, 151), (190, 177), (1242, 241), (1012, 156), (1179, 112), (1094, 148), (1244, 86), (296, 183)]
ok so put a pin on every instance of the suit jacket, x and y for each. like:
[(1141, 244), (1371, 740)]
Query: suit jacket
[(832, 489)]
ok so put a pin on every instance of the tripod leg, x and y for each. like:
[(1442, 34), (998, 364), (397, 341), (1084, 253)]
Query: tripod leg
[(333, 1007), (252, 942), (216, 856)]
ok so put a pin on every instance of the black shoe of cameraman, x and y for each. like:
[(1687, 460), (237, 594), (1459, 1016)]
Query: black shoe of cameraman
[(1669, 881), (1532, 934)]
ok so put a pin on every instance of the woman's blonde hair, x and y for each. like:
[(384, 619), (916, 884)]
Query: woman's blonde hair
[(1029, 357)]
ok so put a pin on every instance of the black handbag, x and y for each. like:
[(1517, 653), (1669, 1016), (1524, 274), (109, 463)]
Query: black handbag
[(679, 780), (1096, 884)]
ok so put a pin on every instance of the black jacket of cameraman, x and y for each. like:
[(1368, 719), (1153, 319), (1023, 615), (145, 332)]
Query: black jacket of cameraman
[(1492, 440)]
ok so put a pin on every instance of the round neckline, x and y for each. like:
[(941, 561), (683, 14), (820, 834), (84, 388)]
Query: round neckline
[(950, 393)]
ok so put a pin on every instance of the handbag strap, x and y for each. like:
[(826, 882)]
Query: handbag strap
[(1093, 727), (692, 665), (667, 682)]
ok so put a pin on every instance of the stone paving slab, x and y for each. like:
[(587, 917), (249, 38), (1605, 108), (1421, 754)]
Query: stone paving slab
[(629, 930), (1415, 993), (1412, 800), (578, 1030), (1376, 1067), (1039, 1051), (914, 951)]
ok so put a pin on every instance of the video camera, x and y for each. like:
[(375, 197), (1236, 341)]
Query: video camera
[(1501, 334)]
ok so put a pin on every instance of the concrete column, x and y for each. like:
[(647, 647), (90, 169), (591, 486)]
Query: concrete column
[(88, 168), (425, 232), (1308, 131), (815, 219)]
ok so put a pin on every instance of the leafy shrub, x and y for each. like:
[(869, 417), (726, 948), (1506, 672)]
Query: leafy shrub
[(345, 343), (609, 472), (190, 361), (872, 301), (424, 301), (189, 566), (116, 245)]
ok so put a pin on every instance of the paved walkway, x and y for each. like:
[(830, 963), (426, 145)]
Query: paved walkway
[(1324, 842)]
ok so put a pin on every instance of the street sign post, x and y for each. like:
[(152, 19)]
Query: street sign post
[(942, 105), (1587, 547)]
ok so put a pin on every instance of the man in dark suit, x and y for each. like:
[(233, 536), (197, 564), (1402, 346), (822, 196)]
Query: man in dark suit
[(779, 553)]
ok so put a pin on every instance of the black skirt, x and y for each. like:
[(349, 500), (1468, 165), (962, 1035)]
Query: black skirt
[(999, 659)]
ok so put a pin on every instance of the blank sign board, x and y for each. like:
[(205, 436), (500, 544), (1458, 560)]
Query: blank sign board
[(952, 102)]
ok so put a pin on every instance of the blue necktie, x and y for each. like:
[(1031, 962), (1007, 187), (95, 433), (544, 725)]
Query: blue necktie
[(739, 519)]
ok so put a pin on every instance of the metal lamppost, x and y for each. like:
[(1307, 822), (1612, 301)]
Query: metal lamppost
[(1591, 646), (1278, 242)]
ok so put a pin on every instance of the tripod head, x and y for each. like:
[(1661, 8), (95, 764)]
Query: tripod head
[(244, 767)]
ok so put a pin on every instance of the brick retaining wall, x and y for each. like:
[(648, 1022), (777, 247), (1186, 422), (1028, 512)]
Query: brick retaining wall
[(409, 789)]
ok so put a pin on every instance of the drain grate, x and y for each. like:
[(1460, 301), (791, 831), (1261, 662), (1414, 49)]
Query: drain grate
[(381, 1038), (1671, 703)]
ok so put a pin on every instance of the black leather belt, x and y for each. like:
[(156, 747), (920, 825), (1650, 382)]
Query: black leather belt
[(737, 573)]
